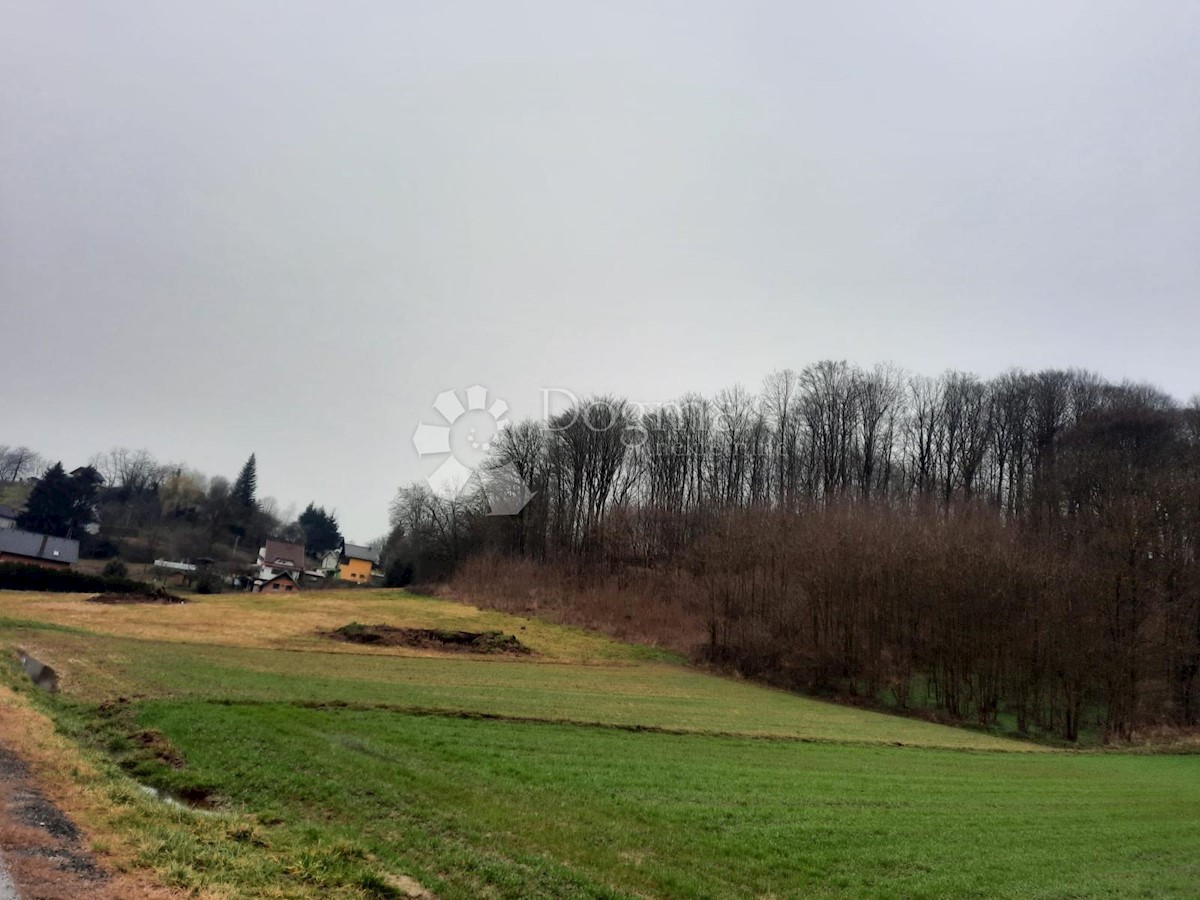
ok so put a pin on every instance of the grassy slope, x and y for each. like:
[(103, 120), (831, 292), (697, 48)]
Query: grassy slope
[(543, 810), (519, 809), (575, 676), (14, 495), (651, 695)]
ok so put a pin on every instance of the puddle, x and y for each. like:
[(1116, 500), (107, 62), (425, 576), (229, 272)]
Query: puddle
[(39, 673), (163, 796), (201, 806)]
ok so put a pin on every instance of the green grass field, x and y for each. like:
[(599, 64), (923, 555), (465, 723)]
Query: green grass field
[(591, 769)]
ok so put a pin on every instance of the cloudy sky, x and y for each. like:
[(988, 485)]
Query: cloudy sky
[(286, 227)]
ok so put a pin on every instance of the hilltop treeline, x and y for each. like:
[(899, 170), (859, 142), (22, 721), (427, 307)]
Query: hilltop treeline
[(1022, 547)]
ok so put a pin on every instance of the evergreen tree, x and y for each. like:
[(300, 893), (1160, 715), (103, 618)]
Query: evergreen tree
[(61, 504), (320, 530), (247, 484)]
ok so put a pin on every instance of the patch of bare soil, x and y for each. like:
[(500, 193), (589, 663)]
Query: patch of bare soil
[(429, 639), (407, 887), (159, 595), (154, 743), (43, 849)]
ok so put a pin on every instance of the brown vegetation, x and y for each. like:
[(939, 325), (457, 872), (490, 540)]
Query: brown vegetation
[(1024, 548), (651, 607)]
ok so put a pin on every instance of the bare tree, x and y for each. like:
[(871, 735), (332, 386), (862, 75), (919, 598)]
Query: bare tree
[(129, 471), (780, 406), (17, 463), (878, 395), (924, 432), (830, 412)]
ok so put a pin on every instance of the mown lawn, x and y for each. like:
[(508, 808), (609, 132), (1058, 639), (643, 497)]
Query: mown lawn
[(338, 769)]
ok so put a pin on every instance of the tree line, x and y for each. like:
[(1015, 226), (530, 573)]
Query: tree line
[(1019, 548)]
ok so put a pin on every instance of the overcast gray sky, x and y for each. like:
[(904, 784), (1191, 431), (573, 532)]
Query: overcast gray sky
[(285, 227)]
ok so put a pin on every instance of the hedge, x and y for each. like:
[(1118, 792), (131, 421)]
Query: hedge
[(26, 577)]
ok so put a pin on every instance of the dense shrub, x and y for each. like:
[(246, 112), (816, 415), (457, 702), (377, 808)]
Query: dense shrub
[(115, 569), (26, 577), (93, 546), (399, 574), (208, 583)]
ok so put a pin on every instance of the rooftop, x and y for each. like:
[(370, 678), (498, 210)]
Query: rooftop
[(281, 553), (38, 546), (354, 551)]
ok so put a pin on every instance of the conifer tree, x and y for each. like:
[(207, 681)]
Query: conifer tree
[(246, 485), (61, 504), (320, 530)]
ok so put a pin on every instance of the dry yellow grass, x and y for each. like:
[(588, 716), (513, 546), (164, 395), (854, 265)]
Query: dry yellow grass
[(294, 623)]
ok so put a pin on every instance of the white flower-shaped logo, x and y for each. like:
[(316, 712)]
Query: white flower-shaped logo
[(465, 439), (466, 436)]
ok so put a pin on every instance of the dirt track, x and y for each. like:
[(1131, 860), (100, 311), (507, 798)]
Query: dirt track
[(42, 846), (43, 850)]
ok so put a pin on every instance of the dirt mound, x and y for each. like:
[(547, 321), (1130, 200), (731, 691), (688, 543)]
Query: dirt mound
[(158, 595), (429, 638)]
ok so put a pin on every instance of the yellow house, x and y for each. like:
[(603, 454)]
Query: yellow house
[(356, 563)]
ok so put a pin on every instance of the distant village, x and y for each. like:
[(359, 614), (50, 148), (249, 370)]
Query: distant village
[(125, 515), (281, 565)]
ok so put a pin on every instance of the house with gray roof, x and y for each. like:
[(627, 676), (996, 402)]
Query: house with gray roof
[(37, 549), (353, 563), (354, 551)]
